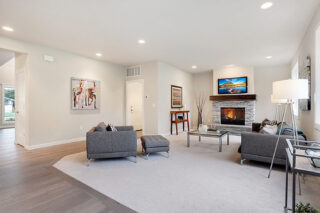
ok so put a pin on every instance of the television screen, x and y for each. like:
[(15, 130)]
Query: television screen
[(233, 85)]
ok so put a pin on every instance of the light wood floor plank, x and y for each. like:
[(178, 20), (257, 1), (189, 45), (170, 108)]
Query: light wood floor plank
[(29, 183)]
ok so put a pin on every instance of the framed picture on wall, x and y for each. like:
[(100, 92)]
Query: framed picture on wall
[(305, 73), (176, 96), (85, 94)]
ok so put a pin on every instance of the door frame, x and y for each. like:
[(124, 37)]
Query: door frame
[(21, 67), (128, 81)]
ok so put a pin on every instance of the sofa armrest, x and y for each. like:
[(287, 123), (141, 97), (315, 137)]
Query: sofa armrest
[(124, 128), (98, 142)]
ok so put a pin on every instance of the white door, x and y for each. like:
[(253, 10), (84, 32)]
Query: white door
[(20, 132), (134, 107)]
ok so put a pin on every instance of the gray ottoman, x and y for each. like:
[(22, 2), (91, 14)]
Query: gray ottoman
[(154, 143)]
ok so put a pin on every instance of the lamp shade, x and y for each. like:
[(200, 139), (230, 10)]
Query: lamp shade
[(278, 101), (291, 89)]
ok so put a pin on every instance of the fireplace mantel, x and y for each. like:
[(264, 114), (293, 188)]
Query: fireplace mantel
[(249, 97)]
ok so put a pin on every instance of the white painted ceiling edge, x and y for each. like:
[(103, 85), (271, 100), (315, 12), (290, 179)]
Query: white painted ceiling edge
[(205, 33)]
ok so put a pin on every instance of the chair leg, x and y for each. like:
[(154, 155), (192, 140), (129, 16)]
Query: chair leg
[(168, 155), (88, 162)]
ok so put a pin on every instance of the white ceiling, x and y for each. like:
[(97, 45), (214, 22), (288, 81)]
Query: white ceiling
[(5, 56), (207, 33)]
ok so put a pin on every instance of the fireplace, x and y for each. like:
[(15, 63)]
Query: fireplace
[(232, 116)]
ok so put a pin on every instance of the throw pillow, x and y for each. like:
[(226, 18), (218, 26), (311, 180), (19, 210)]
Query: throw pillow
[(111, 128), (268, 122), (101, 127), (270, 130)]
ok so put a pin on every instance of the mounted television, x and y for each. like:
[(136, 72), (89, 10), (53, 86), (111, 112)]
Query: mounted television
[(233, 85)]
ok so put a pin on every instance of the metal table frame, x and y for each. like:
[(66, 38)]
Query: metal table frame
[(205, 134), (293, 157)]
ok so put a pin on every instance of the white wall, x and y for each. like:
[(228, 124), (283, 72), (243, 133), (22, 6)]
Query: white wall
[(7, 77), (231, 72), (7, 72), (169, 75), (50, 118), (203, 84), (306, 120), (263, 78)]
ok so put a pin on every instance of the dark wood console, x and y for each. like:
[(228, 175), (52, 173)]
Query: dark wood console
[(175, 120)]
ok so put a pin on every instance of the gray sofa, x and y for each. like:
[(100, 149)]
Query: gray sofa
[(111, 144), (260, 147)]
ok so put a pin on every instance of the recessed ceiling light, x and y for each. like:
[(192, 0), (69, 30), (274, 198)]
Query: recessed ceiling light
[(98, 54), (266, 5), (141, 41), (269, 57), (194, 67), (6, 28)]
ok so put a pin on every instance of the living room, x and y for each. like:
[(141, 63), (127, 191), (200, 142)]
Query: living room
[(162, 106)]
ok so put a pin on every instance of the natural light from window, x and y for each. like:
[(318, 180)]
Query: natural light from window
[(9, 104)]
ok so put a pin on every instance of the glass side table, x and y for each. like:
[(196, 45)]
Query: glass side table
[(299, 163)]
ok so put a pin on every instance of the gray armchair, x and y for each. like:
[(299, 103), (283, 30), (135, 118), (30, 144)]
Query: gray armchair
[(111, 144)]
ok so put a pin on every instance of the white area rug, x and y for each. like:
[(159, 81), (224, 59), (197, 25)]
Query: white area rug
[(195, 179)]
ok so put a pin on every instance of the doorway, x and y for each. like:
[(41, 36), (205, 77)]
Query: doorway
[(12, 104), (134, 104)]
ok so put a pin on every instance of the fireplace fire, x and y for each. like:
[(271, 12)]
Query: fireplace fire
[(233, 116)]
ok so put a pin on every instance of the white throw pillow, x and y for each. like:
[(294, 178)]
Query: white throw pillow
[(270, 130)]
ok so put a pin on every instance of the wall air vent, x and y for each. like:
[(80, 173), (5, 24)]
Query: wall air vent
[(134, 71)]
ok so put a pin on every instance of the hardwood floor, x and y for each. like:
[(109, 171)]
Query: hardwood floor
[(29, 183)]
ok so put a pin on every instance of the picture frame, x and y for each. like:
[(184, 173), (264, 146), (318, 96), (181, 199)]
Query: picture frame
[(176, 96), (85, 94), (305, 73)]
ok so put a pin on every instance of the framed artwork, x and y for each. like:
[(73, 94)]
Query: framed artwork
[(85, 94), (305, 73), (176, 96)]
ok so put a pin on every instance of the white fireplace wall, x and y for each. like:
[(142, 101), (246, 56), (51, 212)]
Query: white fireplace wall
[(250, 110)]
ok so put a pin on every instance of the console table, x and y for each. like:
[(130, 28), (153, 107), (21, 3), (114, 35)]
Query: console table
[(175, 120)]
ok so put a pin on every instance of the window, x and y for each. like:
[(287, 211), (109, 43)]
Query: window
[(295, 75), (8, 104)]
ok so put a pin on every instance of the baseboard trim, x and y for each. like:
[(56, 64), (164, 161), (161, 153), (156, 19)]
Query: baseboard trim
[(55, 143)]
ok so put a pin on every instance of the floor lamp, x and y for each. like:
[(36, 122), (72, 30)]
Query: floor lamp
[(291, 90), (279, 109)]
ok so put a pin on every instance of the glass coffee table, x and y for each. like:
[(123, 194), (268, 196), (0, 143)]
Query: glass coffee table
[(215, 134)]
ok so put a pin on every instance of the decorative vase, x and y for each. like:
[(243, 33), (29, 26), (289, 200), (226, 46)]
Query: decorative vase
[(203, 128)]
